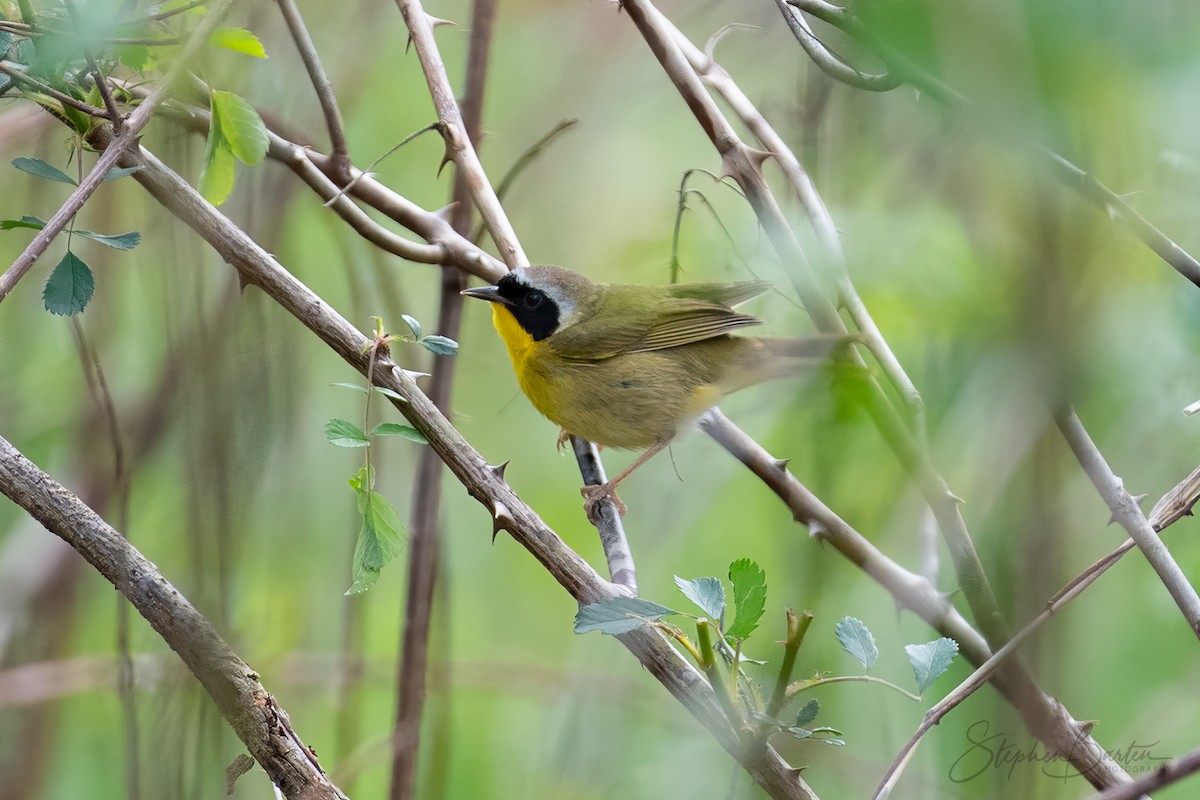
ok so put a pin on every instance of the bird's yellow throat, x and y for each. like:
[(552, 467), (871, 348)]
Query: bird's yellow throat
[(518, 341)]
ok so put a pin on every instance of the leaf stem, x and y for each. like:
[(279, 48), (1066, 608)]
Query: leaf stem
[(796, 628), (708, 663), (803, 686)]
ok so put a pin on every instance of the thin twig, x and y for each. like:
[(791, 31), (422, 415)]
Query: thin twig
[(445, 246), (1168, 773), (325, 95), (796, 628), (458, 145), (524, 160), (617, 552), (117, 146), (1125, 511), (160, 16), (983, 673), (46, 89), (126, 678), (831, 64)]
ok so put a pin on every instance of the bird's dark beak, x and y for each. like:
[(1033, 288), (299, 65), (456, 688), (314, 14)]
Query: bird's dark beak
[(489, 293)]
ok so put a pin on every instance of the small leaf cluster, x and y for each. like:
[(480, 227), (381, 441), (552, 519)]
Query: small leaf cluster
[(71, 285), (382, 534), (718, 651), (438, 345)]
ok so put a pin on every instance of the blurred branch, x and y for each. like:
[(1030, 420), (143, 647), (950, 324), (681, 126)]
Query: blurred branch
[(1125, 511), (425, 542), (324, 89), (831, 64), (1165, 775), (127, 137), (482, 481), (1177, 503), (1065, 171), (252, 713), (114, 113)]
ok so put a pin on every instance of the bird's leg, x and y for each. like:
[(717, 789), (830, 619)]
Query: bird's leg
[(563, 436), (609, 489)]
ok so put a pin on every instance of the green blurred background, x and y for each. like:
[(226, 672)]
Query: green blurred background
[(996, 287)]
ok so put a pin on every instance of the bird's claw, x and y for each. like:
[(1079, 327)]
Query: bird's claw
[(593, 494)]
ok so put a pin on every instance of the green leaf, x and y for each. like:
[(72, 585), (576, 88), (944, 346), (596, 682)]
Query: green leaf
[(413, 325), (344, 433), (857, 641), (379, 541), (707, 593), (239, 40), (396, 429), (119, 172), (35, 166), (386, 392), (355, 386), (618, 615), (117, 241), (440, 345), (23, 222), (69, 288), (808, 712), (134, 56), (749, 597), (822, 735), (216, 176), (234, 131), (241, 127), (79, 120), (930, 660)]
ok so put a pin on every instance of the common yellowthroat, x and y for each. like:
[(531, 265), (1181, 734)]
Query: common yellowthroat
[(628, 366)]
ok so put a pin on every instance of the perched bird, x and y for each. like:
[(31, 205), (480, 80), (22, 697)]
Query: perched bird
[(628, 366)]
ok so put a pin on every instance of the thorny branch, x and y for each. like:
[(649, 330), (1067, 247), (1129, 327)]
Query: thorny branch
[(483, 481)]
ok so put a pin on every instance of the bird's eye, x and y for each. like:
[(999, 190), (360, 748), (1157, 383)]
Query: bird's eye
[(533, 299)]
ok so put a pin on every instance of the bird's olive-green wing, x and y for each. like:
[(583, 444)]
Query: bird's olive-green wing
[(731, 295), (641, 319)]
